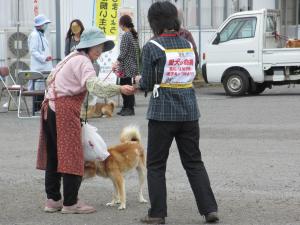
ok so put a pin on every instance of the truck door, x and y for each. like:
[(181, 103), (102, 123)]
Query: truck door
[(238, 45)]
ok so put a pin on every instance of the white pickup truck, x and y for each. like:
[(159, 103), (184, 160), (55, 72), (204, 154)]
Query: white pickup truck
[(247, 54)]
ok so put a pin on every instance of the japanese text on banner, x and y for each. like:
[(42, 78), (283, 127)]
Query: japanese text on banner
[(107, 16)]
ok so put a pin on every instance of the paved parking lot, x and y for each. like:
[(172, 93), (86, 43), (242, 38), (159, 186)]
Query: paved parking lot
[(250, 146)]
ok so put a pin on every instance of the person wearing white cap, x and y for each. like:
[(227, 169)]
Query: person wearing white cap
[(41, 59), (60, 150)]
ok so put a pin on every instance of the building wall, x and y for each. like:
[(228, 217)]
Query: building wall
[(212, 13), (74, 9), (69, 10), (9, 13), (268, 4), (9, 20)]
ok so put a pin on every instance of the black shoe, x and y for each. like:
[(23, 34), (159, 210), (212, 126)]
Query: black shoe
[(212, 217), (153, 220), (121, 111), (127, 112)]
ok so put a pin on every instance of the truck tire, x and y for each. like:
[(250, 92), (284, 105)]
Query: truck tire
[(257, 89), (236, 83)]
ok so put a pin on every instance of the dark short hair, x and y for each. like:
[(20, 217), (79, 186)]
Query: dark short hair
[(163, 15)]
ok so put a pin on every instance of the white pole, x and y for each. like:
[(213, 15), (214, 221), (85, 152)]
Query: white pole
[(200, 47), (58, 30), (18, 34)]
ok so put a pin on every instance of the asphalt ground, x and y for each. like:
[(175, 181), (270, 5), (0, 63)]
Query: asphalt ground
[(250, 146)]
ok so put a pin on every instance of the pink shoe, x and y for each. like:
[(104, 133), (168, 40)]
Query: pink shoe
[(78, 208), (53, 206)]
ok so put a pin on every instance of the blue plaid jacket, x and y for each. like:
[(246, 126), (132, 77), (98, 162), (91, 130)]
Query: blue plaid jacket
[(172, 104)]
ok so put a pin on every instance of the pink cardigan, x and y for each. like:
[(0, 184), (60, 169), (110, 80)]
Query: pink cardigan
[(71, 79)]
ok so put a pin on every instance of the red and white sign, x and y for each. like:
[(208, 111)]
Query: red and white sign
[(35, 7)]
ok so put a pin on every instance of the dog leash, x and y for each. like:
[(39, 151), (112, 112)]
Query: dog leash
[(87, 100), (279, 36), (107, 75), (86, 107)]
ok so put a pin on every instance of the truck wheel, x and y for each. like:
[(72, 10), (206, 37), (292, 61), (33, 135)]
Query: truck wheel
[(257, 89), (236, 83)]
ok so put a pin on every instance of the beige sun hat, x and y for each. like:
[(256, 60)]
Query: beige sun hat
[(94, 36)]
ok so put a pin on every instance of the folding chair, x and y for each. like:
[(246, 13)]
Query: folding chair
[(11, 88), (24, 77)]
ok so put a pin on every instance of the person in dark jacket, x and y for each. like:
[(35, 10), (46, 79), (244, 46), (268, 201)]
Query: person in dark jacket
[(168, 71), (126, 66), (73, 36)]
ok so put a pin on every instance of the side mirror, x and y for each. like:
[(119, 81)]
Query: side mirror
[(217, 39)]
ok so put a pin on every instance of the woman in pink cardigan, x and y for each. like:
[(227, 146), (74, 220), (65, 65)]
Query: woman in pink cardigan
[(60, 151)]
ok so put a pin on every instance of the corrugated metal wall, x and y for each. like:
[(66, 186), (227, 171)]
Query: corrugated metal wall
[(69, 10), (2, 47), (74, 9), (9, 20), (9, 13)]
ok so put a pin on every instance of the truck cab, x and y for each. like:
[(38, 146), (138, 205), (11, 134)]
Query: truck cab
[(247, 54)]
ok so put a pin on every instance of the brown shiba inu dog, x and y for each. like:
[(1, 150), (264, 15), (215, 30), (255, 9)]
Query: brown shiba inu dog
[(99, 110), (123, 157)]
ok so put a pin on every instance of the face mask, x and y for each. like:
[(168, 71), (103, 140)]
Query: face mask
[(45, 27), (75, 28)]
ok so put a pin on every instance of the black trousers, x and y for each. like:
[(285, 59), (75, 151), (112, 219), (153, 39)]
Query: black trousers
[(128, 100), (160, 137), (37, 103), (71, 183)]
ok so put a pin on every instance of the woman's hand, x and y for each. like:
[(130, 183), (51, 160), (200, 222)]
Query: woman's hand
[(115, 66), (49, 58), (137, 81), (127, 89)]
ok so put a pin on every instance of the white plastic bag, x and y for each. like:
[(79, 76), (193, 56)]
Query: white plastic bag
[(94, 147)]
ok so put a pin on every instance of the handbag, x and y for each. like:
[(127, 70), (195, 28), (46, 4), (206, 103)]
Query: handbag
[(94, 147)]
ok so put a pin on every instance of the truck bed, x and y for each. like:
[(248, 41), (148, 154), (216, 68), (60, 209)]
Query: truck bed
[(280, 57)]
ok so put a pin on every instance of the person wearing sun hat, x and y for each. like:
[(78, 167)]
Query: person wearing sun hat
[(38, 45), (60, 151), (40, 55)]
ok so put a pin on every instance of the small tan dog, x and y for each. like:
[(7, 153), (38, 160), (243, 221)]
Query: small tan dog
[(99, 110), (123, 157)]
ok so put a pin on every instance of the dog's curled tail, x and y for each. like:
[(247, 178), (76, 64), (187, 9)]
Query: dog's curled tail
[(112, 103), (130, 133)]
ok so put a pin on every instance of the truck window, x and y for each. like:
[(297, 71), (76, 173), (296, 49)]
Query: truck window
[(238, 29), (271, 23)]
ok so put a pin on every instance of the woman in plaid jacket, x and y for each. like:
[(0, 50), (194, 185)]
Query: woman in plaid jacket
[(168, 70)]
